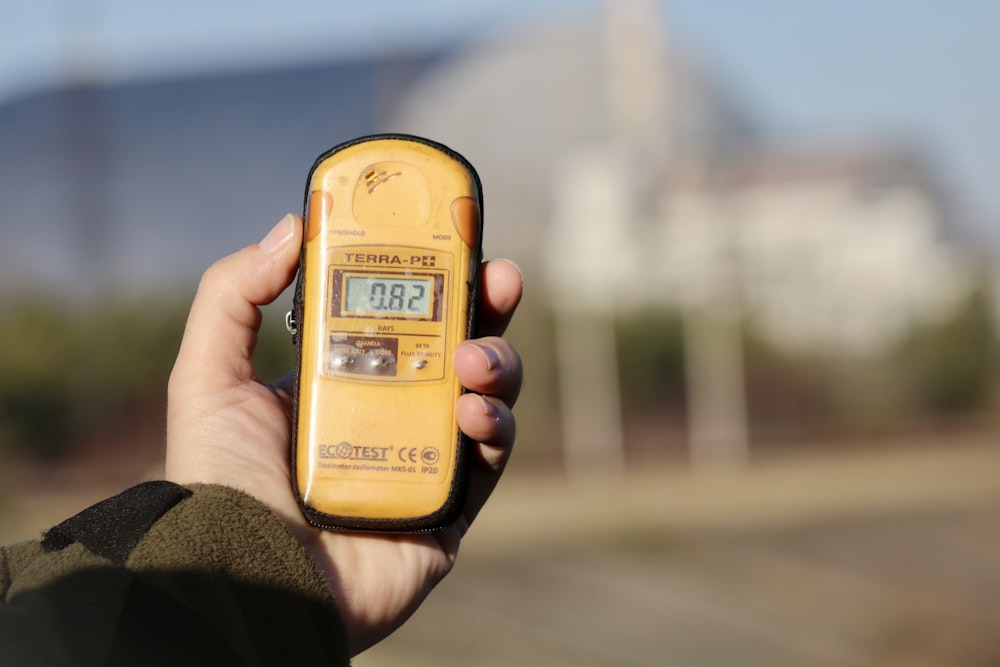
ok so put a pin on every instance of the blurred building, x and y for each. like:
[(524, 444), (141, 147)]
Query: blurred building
[(624, 176), (523, 105), (830, 248), (836, 251)]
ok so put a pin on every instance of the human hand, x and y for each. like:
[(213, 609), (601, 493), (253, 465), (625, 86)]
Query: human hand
[(226, 427)]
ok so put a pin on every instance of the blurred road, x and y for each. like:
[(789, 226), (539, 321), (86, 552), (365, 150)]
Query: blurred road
[(830, 559), (847, 561)]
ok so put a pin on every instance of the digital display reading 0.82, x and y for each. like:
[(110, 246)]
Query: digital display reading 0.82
[(389, 295)]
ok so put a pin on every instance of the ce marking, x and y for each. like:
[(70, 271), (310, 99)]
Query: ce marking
[(408, 454)]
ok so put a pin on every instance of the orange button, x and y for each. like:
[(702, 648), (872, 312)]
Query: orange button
[(465, 217), (320, 207)]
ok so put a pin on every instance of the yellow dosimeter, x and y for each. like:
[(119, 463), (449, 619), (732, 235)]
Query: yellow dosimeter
[(387, 286)]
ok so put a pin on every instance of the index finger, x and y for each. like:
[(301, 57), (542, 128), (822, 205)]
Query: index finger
[(500, 289)]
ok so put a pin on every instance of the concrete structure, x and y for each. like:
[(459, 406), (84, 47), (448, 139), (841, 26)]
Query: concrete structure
[(840, 252), (834, 247), (677, 203)]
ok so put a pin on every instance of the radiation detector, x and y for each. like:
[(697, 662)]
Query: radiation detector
[(388, 280)]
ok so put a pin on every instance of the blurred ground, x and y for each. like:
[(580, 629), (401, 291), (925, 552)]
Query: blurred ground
[(889, 558)]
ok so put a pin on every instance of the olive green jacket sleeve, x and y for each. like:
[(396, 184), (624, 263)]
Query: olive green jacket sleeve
[(167, 575)]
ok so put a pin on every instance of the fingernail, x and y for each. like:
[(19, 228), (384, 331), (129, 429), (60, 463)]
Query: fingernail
[(518, 269), (279, 236), (489, 409), (491, 356)]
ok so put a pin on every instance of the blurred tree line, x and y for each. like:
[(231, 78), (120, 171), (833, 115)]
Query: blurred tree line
[(937, 373), (66, 371)]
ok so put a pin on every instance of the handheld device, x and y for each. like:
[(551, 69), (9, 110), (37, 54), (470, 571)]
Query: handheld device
[(387, 284)]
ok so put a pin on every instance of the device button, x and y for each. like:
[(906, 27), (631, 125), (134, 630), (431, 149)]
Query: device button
[(380, 362), (341, 358), (465, 217), (320, 208)]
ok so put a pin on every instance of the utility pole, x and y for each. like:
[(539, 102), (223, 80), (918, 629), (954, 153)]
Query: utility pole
[(600, 191), (713, 345), (88, 137), (587, 264)]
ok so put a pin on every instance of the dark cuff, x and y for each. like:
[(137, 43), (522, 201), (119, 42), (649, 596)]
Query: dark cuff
[(112, 528)]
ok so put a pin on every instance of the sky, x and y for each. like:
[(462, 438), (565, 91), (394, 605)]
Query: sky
[(920, 72)]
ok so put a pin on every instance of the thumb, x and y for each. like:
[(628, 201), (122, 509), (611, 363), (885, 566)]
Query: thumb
[(221, 331)]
